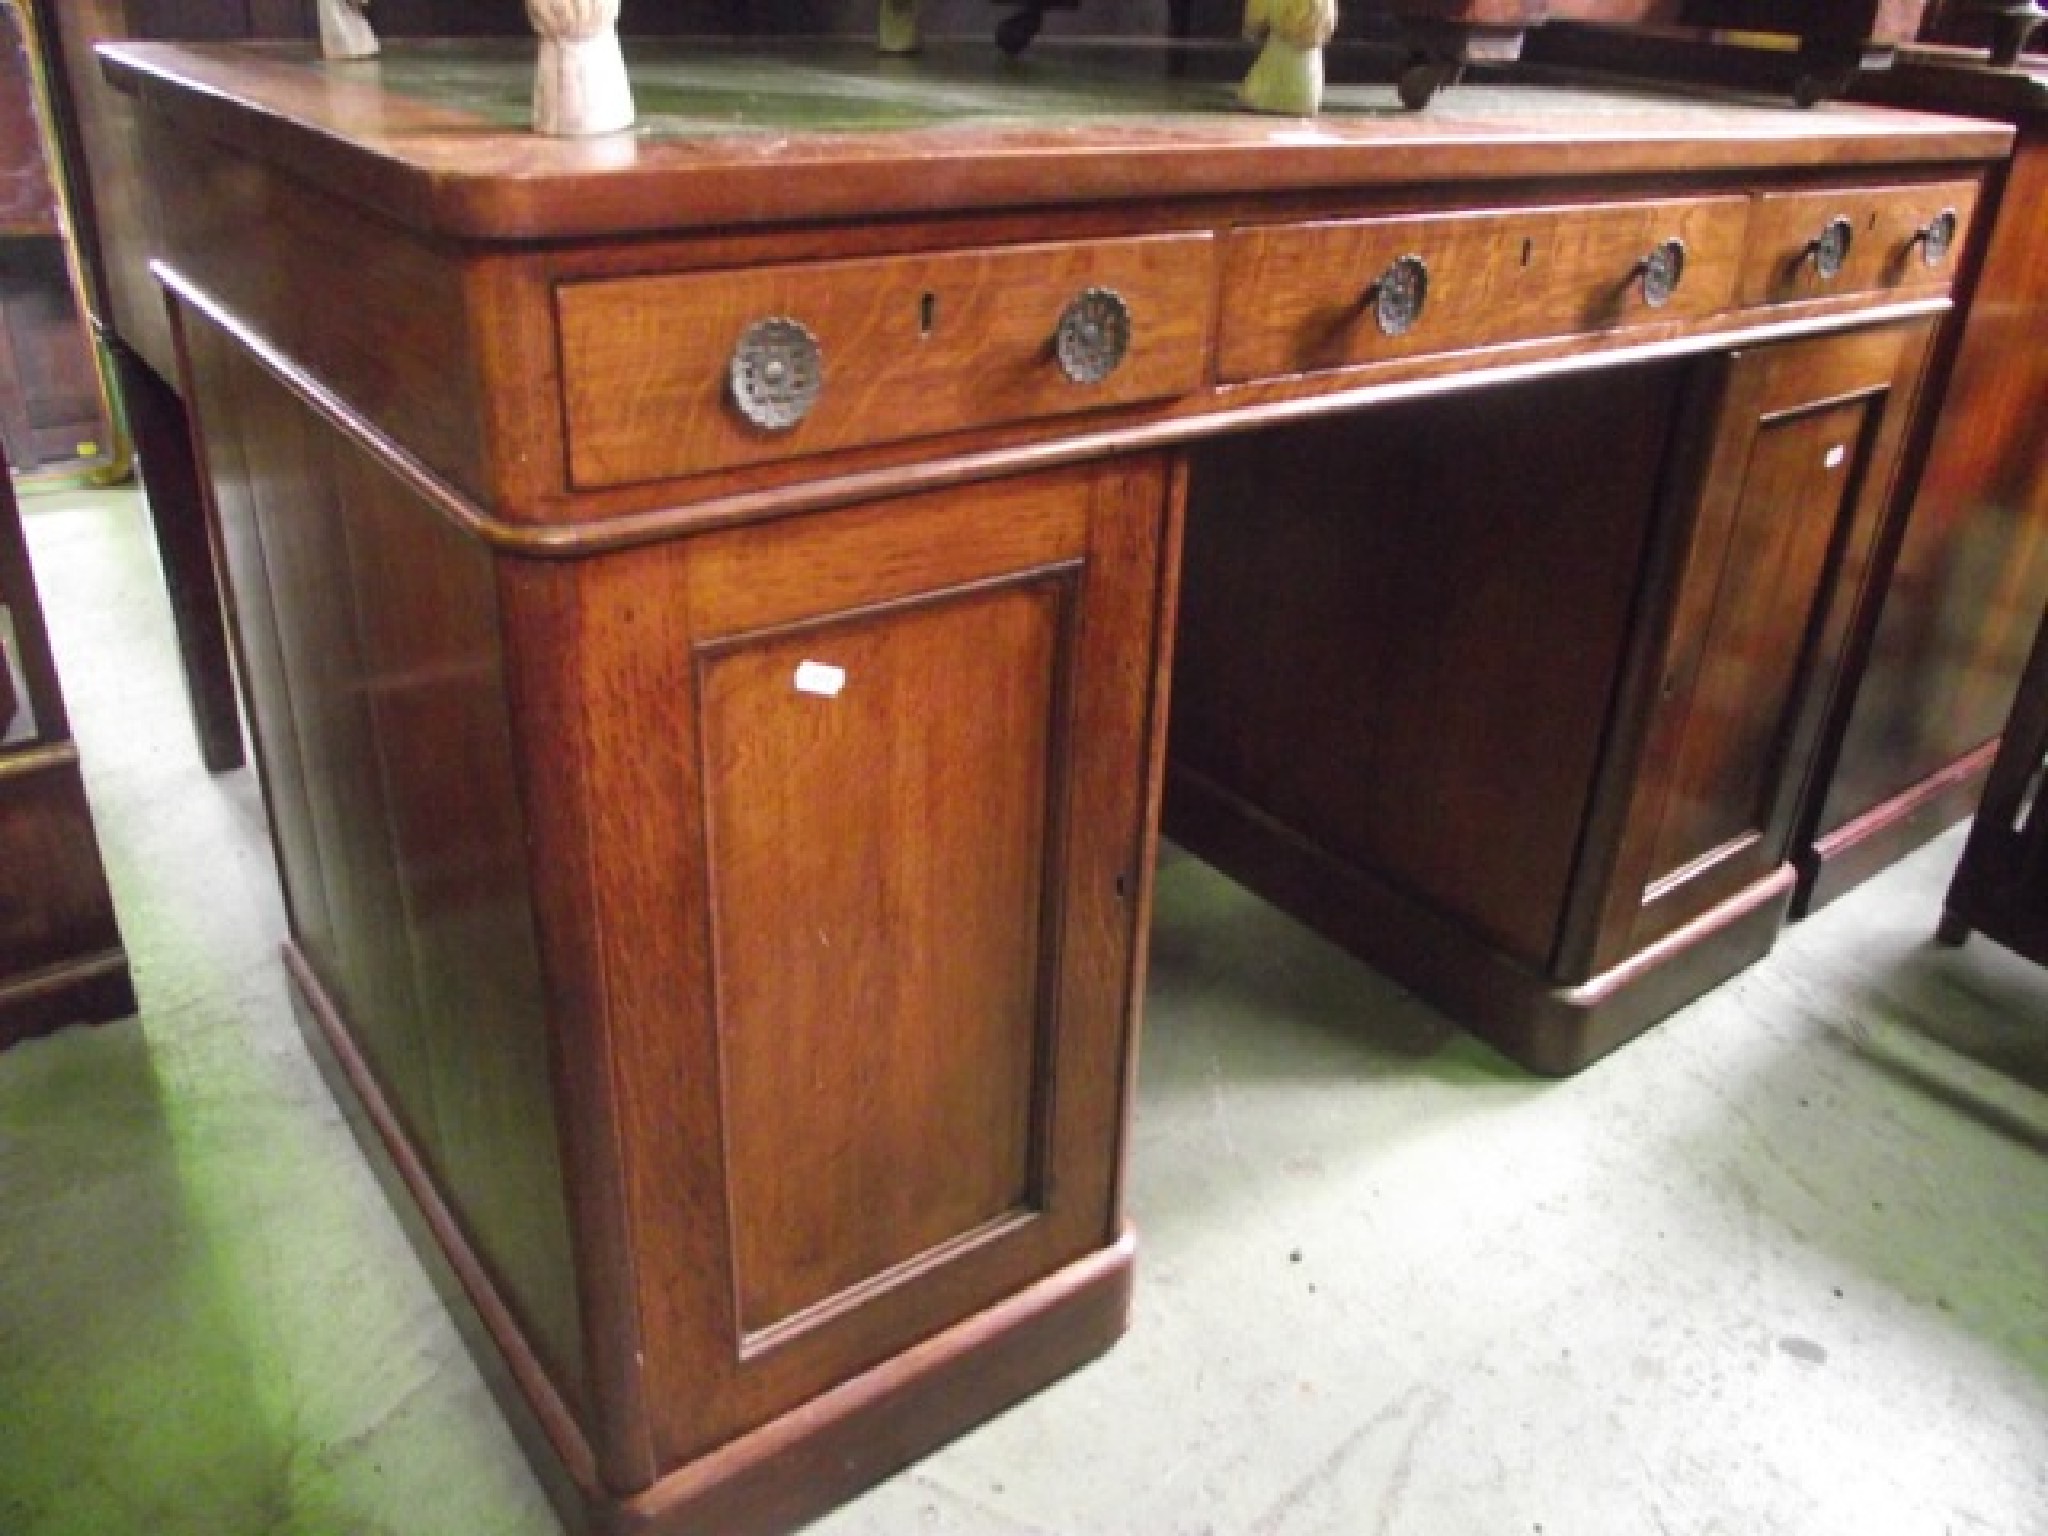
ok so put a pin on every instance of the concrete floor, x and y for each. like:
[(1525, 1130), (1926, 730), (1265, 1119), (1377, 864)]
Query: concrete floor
[(1779, 1267)]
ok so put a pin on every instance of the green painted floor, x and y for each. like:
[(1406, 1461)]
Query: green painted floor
[(1779, 1267)]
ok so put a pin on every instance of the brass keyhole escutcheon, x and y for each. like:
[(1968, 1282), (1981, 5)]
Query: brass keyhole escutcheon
[(1662, 271), (1093, 336), (776, 372), (1829, 251), (1399, 295)]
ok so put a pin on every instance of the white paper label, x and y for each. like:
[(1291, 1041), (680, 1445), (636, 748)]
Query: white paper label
[(815, 677), (1836, 454)]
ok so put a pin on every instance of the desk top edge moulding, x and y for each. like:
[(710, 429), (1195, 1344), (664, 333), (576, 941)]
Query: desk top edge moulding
[(708, 599), (441, 149)]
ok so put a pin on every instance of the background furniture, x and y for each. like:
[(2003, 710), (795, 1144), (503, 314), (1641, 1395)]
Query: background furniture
[(2001, 886), (705, 615), (1835, 38), (53, 411), (1966, 561), (61, 960)]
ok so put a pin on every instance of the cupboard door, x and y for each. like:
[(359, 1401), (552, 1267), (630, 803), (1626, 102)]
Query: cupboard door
[(883, 786), (1803, 453)]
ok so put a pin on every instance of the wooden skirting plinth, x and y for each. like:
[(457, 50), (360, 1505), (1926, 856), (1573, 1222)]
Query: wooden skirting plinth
[(789, 1470)]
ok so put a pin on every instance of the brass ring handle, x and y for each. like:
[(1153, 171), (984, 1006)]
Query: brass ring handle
[(1399, 294), (1936, 237), (1661, 272), (1829, 250)]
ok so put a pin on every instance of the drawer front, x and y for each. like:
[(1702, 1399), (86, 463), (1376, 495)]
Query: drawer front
[(1887, 248), (908, 346), (1304, 296)]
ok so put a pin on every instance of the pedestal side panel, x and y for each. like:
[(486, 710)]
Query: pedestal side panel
[(368, 628)]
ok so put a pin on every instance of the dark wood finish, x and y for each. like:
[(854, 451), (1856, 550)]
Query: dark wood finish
[(723, 890), (1802, 464), (164, 464), (61, 960), (28, 201), (50, 412), (2000, 888), (1967, 568), (97, 137), (1833, 37), (1448, 642)]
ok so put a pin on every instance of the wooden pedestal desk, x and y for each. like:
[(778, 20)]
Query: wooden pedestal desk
[(707, 600)]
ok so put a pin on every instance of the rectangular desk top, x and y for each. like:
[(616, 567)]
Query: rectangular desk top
[(432, 133)]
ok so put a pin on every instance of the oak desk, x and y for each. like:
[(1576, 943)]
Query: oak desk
[(707, 600)]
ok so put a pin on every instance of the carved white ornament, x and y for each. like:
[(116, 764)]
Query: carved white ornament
[(1287, 76), (344, 30), (580, 84)]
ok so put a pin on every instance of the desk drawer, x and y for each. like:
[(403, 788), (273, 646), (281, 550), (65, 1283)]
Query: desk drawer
[(1886, 248), (1304, 294), (907, 346)]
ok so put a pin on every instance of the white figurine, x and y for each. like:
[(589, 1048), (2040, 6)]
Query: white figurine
[(580, 86), (344, 30), (1287, 76), (901, 32)]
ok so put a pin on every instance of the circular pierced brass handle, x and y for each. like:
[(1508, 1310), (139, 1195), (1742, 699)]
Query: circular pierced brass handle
[(1662, 271), (1829, 250), (776, 372), (1936, 237), (1399, 294), (1093, 336)]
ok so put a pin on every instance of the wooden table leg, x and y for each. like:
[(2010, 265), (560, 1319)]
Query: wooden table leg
[(177, 511)]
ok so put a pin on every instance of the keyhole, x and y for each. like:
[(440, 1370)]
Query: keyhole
[(1528, 249), (927, 314)]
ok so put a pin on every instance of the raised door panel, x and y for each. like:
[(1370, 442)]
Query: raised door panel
[(884, 1092), (1773, 569), (1800, 468), (868, 797)]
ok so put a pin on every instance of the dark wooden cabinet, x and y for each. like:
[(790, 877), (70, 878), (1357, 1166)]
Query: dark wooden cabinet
[(61, 960), (2000, 887), (1778, 562), (52, 411), (1965, 565)]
